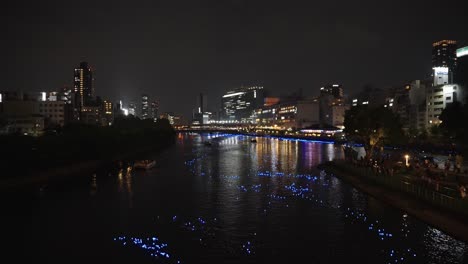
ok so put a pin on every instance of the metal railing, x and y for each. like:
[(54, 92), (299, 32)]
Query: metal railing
[(446, 197)]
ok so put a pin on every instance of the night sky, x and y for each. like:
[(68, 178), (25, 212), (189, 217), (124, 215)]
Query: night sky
[(174, 50)]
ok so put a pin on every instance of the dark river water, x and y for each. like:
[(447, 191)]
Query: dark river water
[(235, 201)]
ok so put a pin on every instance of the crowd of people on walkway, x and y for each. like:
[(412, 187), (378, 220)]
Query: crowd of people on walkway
[(423, 171)]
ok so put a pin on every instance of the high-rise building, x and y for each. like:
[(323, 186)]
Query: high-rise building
[(332, 106), (83, 85), (144, 107), (444, 54), (239, 104), (444, 61), (154, 110), (200, 114)]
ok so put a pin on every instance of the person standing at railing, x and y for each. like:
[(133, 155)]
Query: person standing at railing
[(458, 163), (462, 190), (446, 168)]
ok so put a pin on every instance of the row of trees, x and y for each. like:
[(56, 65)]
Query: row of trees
[(376, 127), (454, 125), (77, 142)]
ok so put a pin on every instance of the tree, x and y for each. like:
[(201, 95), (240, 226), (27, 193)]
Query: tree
[(453, 124), (373, 126)]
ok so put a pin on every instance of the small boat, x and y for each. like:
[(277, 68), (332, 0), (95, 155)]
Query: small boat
[(144, 164), (253, 140)]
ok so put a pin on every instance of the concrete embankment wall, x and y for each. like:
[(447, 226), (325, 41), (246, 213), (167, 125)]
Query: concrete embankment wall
[(449, 221)]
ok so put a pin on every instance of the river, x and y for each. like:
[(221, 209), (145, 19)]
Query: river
[(234, 201)]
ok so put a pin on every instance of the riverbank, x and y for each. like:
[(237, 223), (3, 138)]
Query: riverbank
[(79, 167), (443, 212)]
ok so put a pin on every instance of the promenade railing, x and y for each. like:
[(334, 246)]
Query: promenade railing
[(445, 197)]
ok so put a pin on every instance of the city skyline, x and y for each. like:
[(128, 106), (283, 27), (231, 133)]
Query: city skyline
[(175, 52)]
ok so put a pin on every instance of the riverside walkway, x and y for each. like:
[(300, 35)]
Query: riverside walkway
[(441, 206)]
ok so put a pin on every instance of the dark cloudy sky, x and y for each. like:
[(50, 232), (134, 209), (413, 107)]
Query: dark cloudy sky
[(174, 50)]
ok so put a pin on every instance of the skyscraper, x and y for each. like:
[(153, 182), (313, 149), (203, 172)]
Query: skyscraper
[(444, 61), (444, 54), (144, 107), (83, 85)]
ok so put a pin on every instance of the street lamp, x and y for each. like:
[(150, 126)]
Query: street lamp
[(407, 160)]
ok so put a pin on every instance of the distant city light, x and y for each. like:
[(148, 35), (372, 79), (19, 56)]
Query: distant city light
[(125, 111), (43, 96)]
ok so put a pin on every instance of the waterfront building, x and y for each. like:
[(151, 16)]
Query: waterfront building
[(239, 104), (288, 115)]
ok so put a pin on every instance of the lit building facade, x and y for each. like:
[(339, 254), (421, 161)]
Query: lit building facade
[(239, 104), (91, 115), (332, 106), (54, 112), (417, 108), (437, 98), (108, 113), (336, 90), (174, 119), (144, 107), (444, 61), (83, 85), (290, 115), (19, 107)]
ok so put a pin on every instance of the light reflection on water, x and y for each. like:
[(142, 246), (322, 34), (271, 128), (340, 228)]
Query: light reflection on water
[(234, 201)]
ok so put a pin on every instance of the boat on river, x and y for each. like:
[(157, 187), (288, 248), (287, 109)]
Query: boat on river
[(144, 164)]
